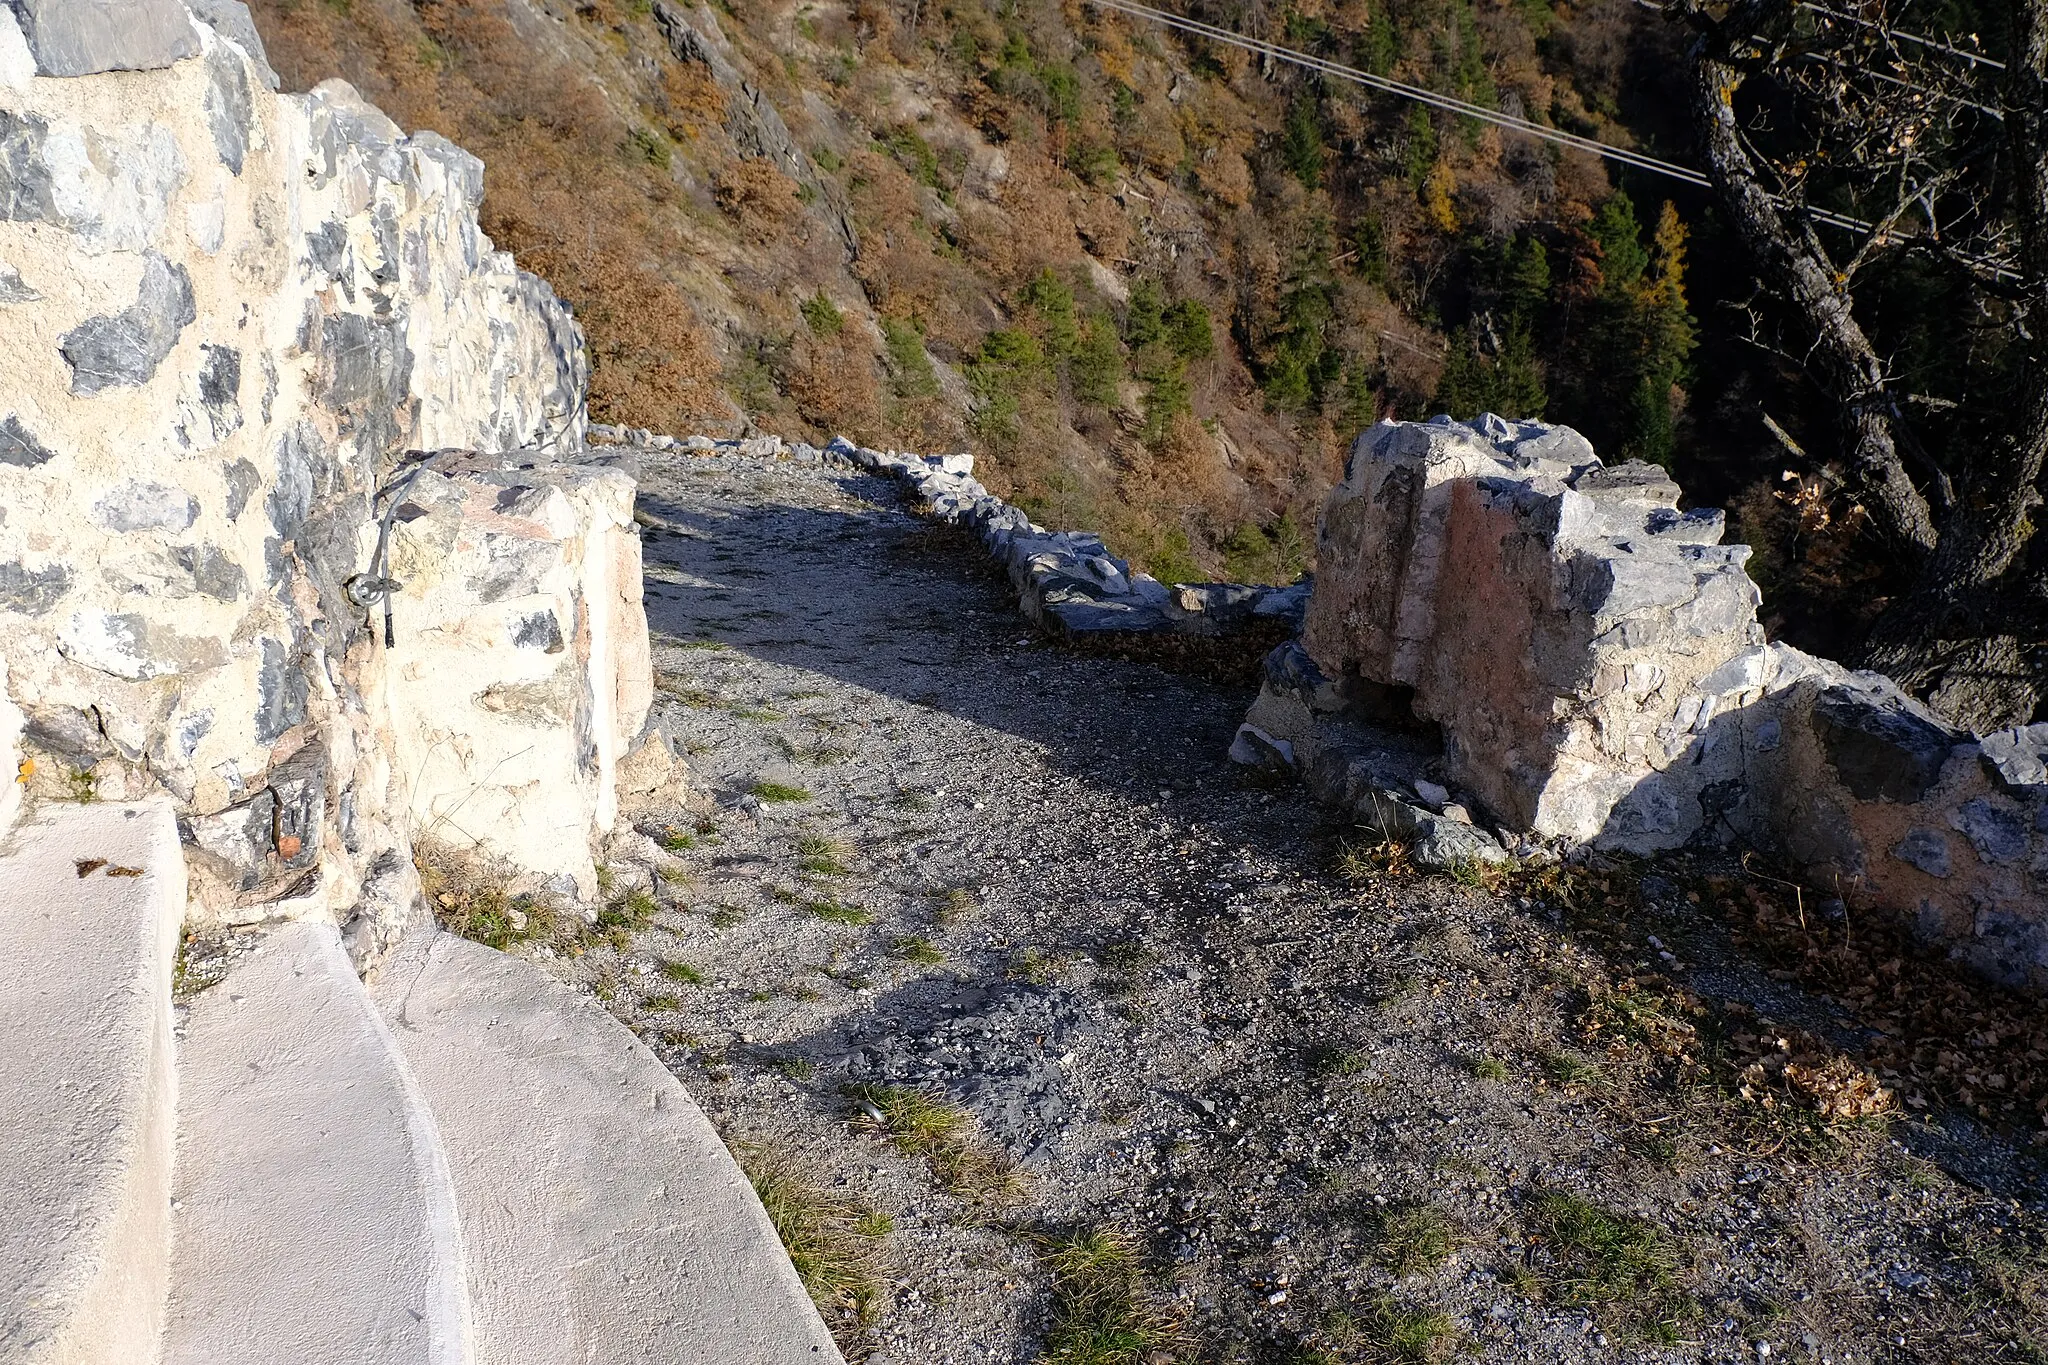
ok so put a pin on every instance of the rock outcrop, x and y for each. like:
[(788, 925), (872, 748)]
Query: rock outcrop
[(1590, 657), (229, 315)]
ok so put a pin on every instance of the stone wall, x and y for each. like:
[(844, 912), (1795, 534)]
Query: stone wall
[(228, 316), (1590, 658), (1067, 582)]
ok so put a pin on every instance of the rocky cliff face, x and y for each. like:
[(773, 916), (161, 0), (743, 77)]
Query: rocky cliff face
[(228, 314)]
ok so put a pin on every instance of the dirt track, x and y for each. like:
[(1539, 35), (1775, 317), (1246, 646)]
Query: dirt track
[(1330, 1108)]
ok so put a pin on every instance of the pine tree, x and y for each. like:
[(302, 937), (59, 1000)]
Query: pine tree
[(1622, 255), (1098, 364), (1526, 291), (1301, 141), (1382, 43), (1666, 336), (1421, 148)]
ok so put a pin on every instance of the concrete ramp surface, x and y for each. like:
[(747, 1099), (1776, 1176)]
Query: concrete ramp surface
[(605, 1222), (90, 901), (315, 1222)]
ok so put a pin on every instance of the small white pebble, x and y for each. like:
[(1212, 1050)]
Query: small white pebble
[(1277, 1298)]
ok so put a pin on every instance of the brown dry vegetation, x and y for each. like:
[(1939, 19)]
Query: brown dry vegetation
[(566, 191), (1004, 200)]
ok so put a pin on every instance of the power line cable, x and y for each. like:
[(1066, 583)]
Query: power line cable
[(1465, 108), (1904, 37)]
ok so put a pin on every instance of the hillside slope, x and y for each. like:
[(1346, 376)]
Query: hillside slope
[(1157, 287)]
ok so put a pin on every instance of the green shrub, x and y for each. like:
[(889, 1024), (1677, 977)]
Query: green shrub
[(908, 363), (1049, 297), (822, 315), (1097, 366)]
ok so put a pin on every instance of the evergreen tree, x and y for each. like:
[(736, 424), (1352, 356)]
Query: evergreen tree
[(1382, 45), (1623, 257), (1420, 153), (1189, 332), (1098, 364), (1526, 290), (1301, 141), (1666, 336), (1050, 298), (1145, 323)]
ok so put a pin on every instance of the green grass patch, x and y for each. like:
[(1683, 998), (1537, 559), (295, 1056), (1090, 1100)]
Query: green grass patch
[(823, 856), (919, 950), (1611, 1261), (1415, 1239), (955, 904), (837, 912), (829, 1237), (1104, 1309), (1567, 1068), (682, 972), (921, 1124), (773, 792), (1387, 1330)]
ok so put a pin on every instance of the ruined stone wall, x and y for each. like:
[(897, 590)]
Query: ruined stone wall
[(1590, 657), (227, 314)]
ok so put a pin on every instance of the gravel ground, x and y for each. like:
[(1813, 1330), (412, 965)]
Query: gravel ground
[(1345, 1112)]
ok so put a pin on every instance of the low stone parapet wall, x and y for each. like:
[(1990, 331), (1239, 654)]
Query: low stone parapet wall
[(1588, 657), (1067, 582)]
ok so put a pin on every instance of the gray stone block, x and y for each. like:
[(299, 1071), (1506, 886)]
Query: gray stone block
[(1882, 747), (19, 447), (231, 20), (13, 289), (85, 37), (2017, 759), (32, 592), (124, 349)]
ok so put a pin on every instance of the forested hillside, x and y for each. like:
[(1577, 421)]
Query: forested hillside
[(1156, 284)]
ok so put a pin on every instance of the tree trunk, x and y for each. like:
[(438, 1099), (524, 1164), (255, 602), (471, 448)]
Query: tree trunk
[(1791, 261), (1945, 638), (1948, 638)]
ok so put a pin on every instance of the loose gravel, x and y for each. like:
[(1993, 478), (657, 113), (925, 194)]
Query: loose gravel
[(1346, 1117)]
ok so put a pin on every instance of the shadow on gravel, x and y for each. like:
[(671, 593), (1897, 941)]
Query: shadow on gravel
[(914, 611)]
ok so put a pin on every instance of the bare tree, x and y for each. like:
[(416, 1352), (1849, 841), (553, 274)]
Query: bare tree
[(1844, 145)]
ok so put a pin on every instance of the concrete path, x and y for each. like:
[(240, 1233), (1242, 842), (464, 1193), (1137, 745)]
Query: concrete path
[(605, 1222), (90, 902), (316, 1217)]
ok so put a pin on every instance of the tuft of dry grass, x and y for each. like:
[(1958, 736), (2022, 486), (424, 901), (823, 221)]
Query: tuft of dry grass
[(469, 900), (835, 1242), (1105, 1311), (921, 1124)]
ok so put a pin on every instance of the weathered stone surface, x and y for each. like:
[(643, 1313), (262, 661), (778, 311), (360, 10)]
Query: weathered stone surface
[(84, 37), (19, 446), (124, 349), (1591, 656), (513, 683), (2018, 759), (13, 289), (146, 507), (231, 20), (296, 288), (1881, 748)]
